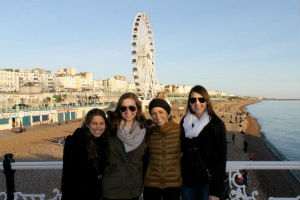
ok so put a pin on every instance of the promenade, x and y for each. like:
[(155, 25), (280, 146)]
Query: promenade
[(40, 143)]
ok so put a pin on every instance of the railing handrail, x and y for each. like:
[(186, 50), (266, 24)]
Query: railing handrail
[(230, 166), (262, 165)]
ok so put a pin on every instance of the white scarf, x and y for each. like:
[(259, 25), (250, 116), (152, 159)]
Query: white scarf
[(131, 137), (193, 126)]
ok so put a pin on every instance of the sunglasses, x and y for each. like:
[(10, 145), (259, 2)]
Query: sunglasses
[(200, 99), (131, 108)]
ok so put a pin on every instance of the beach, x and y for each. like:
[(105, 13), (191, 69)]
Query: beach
[(41, 143)]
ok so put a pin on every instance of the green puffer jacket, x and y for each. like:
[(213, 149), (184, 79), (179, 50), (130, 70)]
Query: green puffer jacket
[(164, 160), (123, 175)]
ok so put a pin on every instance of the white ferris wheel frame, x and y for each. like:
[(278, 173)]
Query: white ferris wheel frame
[(143, 59)]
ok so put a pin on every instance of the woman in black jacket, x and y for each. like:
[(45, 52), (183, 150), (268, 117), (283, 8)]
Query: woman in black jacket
[(84, 158), (204, 150)]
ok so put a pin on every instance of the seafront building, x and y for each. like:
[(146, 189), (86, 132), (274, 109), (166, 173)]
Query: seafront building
[(9, 81), (68, 80), (38, 80), (118, 84), (12, 80)]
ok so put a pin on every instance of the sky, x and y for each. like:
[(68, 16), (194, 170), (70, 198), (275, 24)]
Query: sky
[(241, 47)]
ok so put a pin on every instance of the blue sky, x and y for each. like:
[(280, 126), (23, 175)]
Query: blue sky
[(241, 47)]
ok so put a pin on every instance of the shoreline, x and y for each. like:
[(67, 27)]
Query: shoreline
[(273, 182)]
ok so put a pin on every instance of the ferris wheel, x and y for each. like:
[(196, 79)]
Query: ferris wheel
[(142, 51)]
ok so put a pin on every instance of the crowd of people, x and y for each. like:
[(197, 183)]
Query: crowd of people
[(122, 155)]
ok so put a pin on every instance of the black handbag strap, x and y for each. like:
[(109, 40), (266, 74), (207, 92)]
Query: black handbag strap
[(96, 165), (202, 163)]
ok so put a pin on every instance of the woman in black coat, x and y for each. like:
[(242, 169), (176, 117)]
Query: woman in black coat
[(204, 150), (84, 158)]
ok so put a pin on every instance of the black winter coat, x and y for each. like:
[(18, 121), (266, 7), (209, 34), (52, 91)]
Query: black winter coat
[(212, 148), (80, 177)]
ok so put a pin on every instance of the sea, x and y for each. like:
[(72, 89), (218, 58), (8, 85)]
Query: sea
[(280, 125)]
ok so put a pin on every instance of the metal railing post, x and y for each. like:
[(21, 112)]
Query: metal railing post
[(9, 174)]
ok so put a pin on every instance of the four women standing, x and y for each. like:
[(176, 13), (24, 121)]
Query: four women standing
[(203, 144)]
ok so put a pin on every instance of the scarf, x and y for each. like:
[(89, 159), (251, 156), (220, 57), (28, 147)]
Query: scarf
[(193, 126), (131, 136)]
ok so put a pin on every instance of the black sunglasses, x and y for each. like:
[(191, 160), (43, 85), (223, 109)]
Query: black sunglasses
[(200, 99), (131, 108)]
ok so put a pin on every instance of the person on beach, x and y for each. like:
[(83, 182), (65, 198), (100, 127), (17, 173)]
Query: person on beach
[(204, 148), (245, 177), (251, 156), (84, 158), (163, 175), (233, 138), (123, 175), (21, 127), (245, 148)]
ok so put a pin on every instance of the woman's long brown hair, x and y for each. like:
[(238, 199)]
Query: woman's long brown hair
[(116, 116), (91, 145)]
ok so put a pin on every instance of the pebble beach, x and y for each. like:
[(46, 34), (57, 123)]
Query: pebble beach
[(41, 143)]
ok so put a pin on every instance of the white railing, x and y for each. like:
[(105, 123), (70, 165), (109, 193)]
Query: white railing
[(34, 165), (233, 168), (231, 165)]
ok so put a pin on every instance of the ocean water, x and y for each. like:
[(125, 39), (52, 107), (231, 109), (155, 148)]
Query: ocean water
[(280, 124)]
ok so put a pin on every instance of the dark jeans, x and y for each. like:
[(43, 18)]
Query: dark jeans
[(191, 193), (151, 193)]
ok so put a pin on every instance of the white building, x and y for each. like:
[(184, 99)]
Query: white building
[(33, 77), (66, 82), (117, 84), (45, 79), (78, 82), (98, 85), (86, 80), (9, 81)]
